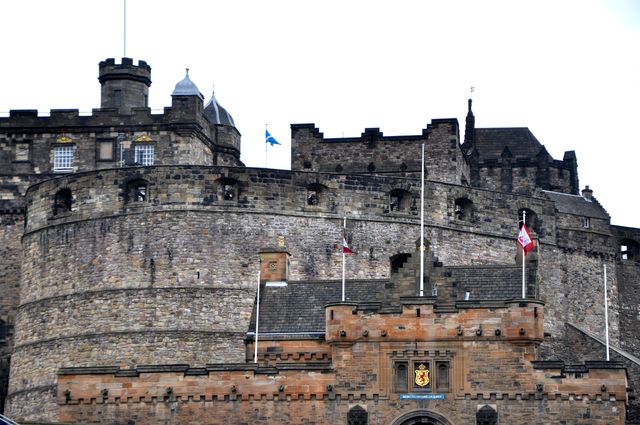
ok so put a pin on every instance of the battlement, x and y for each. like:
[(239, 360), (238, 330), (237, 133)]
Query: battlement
[(126, 70)]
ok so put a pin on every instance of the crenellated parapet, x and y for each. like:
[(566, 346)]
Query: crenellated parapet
[(375, 153)]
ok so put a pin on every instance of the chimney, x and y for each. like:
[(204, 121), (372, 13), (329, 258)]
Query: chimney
[(274, 263), (587, 193)]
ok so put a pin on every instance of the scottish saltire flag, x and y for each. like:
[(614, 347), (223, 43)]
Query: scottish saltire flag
[(270, 139)]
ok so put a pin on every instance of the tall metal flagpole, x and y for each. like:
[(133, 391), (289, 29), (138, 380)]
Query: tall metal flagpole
[(266, 163), (124, 42), (524, 223), (422, 226), (606, 313), (255, 344), (344, 230)]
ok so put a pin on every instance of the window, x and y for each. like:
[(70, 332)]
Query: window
[(137, 191), (463, 209), (316, 194), (400, 377), (144, 155), (586, 222), (106, 151), (22, 152), (228, 190), (399, 200), (424, 375), (629, 249), (117, 98), (62, 201), (442, 378), (63, 158), (486, 415), (357, 416)]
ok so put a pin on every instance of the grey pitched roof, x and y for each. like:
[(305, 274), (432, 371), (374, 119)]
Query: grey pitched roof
[(216, 114), (490, 142), (299, 306), (577, 205), (490, 283)]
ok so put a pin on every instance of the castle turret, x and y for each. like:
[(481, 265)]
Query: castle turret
[(186, 99), (125, 85)]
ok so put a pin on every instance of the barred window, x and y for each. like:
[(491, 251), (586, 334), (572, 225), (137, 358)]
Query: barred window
[(63, 158), (144, 154)]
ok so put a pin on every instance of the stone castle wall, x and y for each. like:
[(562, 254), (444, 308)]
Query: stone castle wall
[(165, 263)]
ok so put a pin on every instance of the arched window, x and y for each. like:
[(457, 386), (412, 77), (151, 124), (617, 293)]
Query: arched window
[(357, 416), (486, 415), (629, 250), (463, 209), (442, 377), (62, 201), (137, 191), (400, 376)]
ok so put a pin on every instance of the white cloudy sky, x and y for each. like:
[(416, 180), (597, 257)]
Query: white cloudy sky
[(569, 70)]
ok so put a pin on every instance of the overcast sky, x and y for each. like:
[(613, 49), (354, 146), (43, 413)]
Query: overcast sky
[(568, 70)]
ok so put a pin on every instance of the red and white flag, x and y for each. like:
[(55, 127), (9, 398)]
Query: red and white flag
[(345, 246), (525, 239)]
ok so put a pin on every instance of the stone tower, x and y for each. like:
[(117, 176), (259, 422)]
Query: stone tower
[(125, 85)]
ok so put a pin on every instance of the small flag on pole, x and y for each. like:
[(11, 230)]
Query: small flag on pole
[(345, 246), (270, 139), (524, 238)]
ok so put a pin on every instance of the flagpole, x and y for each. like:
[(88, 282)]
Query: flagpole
[(606, 313), (524, 223), (422, 226), (255, 345), (124, 39), (266, 162), (344, 233)]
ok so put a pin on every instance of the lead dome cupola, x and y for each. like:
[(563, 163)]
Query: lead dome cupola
[(216, 114), (186, 87)]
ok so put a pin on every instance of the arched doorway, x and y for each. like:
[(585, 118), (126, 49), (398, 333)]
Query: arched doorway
[(421, 417)]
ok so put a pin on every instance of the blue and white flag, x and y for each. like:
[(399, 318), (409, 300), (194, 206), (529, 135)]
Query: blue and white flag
[(270, 139)]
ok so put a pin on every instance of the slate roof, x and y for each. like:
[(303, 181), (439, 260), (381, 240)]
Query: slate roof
[(217, 114), (577, 205), (490, 283), (298, 307), (490, 142)]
